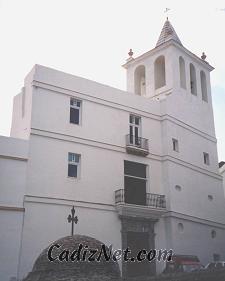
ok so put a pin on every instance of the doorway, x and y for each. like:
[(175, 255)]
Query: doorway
[(137, 241)]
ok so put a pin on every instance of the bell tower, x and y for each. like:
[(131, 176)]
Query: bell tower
[(168, 68), (178, 80)]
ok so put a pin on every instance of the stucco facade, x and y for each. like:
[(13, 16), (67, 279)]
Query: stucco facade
[(37, 194), (222, 172)]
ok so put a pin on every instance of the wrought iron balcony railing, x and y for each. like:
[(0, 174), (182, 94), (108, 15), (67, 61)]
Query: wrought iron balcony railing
[(136, 145), (150, 199)]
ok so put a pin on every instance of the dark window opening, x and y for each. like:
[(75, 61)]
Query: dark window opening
[(73, 165), (74, 115), (134, 169), (206, 158), (135, 183), (75, 111), (72, 171), (175, 145)]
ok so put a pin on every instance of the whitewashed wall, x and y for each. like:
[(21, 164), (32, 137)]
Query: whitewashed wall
[(100, 140), (13, 163)]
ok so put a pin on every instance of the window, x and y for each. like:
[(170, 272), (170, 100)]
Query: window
[(206, 158), (213, 233), (140, 88), (75, 111), (182, 73), (193, 82), (135, 179), (180, 227), (160, 72), (203, 86), (175, 145), (135, 128), (73, 165), (210, 197), (178, 187)]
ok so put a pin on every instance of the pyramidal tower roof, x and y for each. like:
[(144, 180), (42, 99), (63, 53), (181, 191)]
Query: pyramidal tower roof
[(168, 33)]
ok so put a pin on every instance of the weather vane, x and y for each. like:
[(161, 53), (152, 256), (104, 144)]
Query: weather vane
[(72, 219), (166, 11)]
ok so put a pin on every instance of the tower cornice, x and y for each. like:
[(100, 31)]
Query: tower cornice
[(167, 44)]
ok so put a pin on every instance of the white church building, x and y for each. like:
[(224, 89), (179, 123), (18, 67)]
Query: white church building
[(140, 166)]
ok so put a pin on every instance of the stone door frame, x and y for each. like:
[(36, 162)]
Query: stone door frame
[(140, 225)]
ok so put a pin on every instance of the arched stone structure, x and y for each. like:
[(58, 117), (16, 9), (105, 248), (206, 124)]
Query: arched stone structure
[(204, 86), (160, 72), (182, 73), (193, 80), (140, 80)]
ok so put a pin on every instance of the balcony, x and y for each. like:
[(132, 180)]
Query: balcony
[(149, 205), (137, 145)]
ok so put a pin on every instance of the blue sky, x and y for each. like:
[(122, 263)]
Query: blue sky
[(91, 38)]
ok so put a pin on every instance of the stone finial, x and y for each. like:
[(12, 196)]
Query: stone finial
[(130, 56), (130, 53), (203, 57)]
